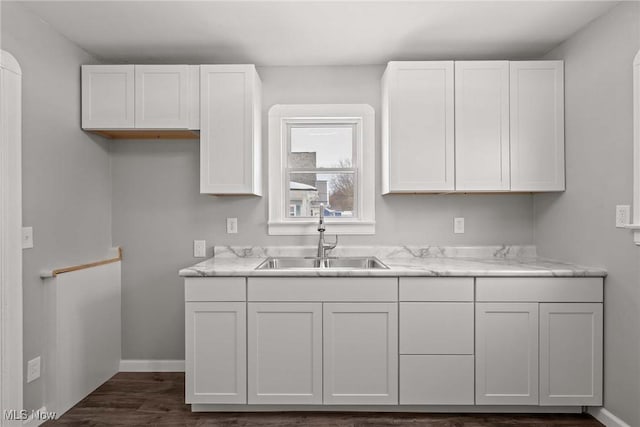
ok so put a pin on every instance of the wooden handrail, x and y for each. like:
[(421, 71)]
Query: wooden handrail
[(54, 273)]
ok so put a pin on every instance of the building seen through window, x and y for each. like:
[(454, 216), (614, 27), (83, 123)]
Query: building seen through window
[(321, 171)]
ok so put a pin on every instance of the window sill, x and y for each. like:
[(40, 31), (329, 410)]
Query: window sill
[(310, 228), (636, 232)]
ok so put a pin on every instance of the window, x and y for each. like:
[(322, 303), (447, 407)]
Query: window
[(321, 157)]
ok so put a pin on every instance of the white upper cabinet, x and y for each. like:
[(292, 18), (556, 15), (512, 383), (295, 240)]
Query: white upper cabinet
[(127, 101), (482, 125), (418, 127), (162, 96), (507, 134), (537, 126), (108, 96), (230, 136)]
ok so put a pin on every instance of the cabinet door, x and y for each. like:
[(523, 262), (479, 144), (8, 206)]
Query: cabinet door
[(418, 127), (482, 125), (537, 125), (360, 353), (230, 130), (571, 354), (107, 97), (162, 96), (507, 353), (285, 353), (215, 352)]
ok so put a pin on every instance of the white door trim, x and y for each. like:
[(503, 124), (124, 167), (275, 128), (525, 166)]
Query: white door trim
[(10, 238)]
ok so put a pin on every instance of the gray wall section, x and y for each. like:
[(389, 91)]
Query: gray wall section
[(66, 173), (579, 224), (158, 211)]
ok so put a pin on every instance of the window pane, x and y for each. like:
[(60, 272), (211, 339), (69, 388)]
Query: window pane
[(336, 191), (321, 147)]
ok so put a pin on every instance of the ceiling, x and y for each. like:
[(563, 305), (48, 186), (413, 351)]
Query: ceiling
[(291, 33)]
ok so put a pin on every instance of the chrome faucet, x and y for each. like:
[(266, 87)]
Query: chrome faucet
[(322, 246)]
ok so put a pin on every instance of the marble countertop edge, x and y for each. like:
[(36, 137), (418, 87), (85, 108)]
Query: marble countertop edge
[(425, 267)]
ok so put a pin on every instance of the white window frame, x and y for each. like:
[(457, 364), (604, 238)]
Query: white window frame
[(635, 226), (280, 118), (11, 340)]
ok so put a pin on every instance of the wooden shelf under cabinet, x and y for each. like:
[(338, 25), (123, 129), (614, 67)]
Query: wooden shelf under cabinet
[(147, 134)]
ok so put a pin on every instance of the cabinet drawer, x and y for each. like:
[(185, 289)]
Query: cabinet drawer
[(215, 289), (539, 289), (318, 289), (436, 328), (436, 380), (436, 289)]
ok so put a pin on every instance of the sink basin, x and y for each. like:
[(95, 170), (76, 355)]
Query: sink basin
[(311, 263)]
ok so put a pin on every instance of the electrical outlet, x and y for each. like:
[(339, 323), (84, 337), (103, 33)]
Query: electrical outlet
[(458, 225), (27, 237), (33, 369), (623, 215), (199, 248), (232, 225)]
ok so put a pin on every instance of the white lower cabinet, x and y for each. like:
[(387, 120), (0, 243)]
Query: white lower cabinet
[(507, 353), (436, 379), (215, 370), (436, 341), (360, 353), (284, 353), (539, 341), (349, 341), (571, 354)]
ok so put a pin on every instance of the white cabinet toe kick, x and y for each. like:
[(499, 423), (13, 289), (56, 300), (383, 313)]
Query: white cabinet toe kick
[(424, 344)]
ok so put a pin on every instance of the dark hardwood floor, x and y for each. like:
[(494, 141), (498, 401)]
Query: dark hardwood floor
[(150, 399)]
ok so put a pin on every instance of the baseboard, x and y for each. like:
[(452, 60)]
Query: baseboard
[(38, 417), (152, 365), (607, 418)]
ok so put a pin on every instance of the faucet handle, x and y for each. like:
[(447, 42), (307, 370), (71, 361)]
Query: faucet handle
[(330, 246)]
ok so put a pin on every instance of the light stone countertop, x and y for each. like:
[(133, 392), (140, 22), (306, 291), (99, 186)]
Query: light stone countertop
[(486, 261)]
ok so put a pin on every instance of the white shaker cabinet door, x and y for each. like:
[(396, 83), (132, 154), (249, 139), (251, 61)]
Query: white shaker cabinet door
[(285, 353), (506, 353), (482, 125), (418, 127), (162, 96), (215, 352), (537, 125), (360, 353), (230, 130), (571, 354), (108, 97)]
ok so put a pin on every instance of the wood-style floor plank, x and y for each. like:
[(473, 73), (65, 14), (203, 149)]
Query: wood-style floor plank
[(157, 399)]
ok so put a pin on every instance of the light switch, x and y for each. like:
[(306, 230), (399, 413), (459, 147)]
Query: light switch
[(623, 215), (33, 369), (458, 225), (27, 237), (232, 225), (199, 248)]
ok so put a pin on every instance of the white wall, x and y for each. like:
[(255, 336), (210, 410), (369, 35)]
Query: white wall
[(579, 224), (66, 173), (157, 210)]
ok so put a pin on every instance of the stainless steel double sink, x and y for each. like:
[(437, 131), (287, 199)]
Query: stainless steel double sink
[(313, 263)]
